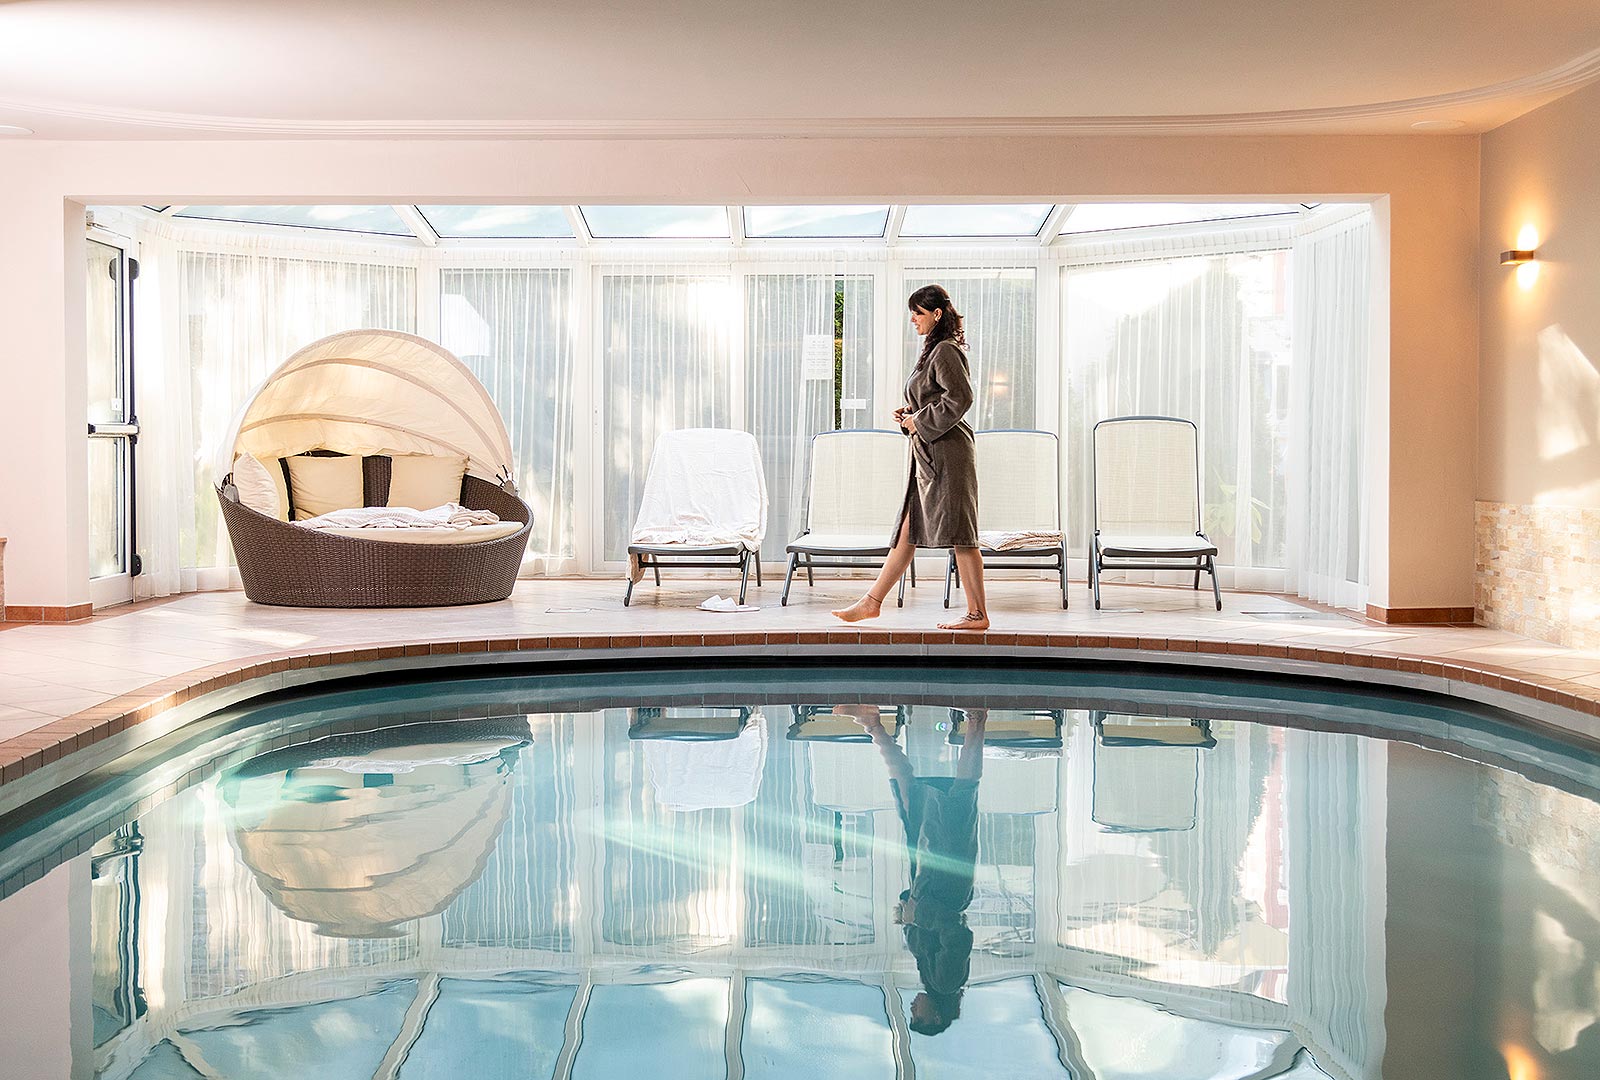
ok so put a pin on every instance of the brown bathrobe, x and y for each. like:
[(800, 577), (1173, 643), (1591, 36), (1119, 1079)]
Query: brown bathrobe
[(941, 500)]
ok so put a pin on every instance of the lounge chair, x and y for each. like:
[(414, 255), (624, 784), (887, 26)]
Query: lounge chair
[(1019, 506), (1147, 772), (856, 483), (704, 506), (1147, 500)]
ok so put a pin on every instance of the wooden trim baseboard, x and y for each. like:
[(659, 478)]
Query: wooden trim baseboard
[(1411, 616), (45, 613)]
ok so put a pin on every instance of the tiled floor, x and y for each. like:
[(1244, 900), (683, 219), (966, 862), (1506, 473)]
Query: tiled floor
[(53, 671)]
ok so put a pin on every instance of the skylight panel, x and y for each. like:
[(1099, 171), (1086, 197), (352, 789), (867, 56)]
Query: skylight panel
[(1007, 220), (824, 222), (381, 220), (504, 222), (656, 222), (1104, 217)]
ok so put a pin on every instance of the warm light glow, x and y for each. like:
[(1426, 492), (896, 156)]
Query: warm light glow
[(1520, 1064), (1527, 274), (1527, 238)]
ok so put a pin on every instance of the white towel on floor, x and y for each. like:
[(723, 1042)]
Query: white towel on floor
[(448, 516), (725, 603)]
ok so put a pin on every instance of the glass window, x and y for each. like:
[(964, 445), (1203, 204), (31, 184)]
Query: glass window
[(491, 1027), (998, 309), (812, 1028), (998, 221), (656, 222), (107, 369), (665, 1030), (320, 1040), (1001, 1014), (1102, 217), (1123, 1038), (821, 221), (511, 326), (381, 220), (517, 222), (665, 355), (789, 398)]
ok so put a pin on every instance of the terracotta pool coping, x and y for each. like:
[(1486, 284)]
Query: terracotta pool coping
[(26, 754)]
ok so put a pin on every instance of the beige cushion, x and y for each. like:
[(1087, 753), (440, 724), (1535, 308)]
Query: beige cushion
[(261, 486), (322, 485), (423, 481), (472, 534)]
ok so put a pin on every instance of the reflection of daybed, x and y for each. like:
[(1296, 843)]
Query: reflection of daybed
[(376, 394)]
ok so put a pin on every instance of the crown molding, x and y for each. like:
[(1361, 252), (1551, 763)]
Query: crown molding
[(1562, 79)]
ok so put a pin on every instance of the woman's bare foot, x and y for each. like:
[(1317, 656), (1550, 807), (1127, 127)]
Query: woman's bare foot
[(972, 620), (868, 607)]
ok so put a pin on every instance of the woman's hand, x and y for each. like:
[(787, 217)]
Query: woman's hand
[(908, 424)]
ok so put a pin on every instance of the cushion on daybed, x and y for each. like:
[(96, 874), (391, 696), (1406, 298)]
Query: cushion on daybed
[(472, 534), (261, 486), (321, 485), (422, 481)]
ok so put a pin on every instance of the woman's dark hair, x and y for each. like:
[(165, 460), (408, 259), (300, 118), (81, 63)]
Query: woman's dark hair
[(948, 328)]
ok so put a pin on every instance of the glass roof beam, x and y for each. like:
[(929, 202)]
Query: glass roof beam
[(736, 225), (580, 227), (897, 217), (417, 224), (1054, 221)]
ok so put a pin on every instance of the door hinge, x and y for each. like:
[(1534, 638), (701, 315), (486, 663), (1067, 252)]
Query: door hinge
[(135, 565)]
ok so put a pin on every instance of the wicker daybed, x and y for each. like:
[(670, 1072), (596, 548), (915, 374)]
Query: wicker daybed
[(374, 393)]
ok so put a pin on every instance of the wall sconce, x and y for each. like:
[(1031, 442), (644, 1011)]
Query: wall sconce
[(1525, 256)]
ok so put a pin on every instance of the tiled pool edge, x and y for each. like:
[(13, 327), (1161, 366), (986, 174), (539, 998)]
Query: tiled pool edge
[(33, 763)]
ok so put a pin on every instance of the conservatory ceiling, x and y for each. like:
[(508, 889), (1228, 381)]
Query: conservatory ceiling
[(883, 224), (492, 68)]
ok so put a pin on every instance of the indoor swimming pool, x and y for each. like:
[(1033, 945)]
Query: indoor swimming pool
[(821, 871)]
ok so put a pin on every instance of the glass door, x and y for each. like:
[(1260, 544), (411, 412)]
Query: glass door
[(113, 425)]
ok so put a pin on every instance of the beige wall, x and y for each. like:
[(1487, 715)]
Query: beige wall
[(1426, 186), (1539, 413)]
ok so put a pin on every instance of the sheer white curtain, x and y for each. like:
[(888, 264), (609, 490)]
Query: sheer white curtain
[(1327, 536), (513, 325), (1203, 337), (218, 319), (808, 350), (667, 331), (998, 307)]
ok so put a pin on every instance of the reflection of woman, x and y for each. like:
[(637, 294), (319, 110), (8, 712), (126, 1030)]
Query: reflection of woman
[(940, 816), (940, 509)]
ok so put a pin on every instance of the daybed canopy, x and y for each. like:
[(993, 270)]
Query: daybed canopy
[(373, 392)]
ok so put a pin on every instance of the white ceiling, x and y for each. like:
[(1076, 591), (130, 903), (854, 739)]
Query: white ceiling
[(373, 68)]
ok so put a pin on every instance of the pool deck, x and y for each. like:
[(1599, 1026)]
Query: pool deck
[(67, 687)]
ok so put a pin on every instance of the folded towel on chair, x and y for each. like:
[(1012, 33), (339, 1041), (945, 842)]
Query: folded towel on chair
[(1018, 541), (448, 516)]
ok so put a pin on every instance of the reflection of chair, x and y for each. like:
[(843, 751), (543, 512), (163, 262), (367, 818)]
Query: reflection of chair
[(1019, 506), (696, 723), (358, 833), (818, 723), (704, 506), (698, 772), (848, 779), (1147, 772), (1023, 729), (857, 483), (1147, 500), (1019, 785)]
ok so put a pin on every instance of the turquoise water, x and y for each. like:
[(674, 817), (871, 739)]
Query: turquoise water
[(785, 872)]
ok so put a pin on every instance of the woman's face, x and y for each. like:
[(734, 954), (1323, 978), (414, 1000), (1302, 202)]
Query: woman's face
[(924, 320)]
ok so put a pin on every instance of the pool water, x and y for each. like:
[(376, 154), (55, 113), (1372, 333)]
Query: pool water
[(816, 873)]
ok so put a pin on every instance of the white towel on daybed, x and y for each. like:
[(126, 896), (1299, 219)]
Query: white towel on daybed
[(448, 516), (1017, 541)]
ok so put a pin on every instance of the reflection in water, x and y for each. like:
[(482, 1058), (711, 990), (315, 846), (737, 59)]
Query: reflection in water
[(848, 891)]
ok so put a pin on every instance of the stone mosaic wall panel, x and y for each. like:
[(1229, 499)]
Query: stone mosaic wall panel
[(1539, 572)]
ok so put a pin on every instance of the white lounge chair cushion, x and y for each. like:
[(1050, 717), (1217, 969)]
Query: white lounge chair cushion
[(821, 543), (261, 486), (705, 487), (322, 485), (1156, 546), (423, 480), (472, 534)]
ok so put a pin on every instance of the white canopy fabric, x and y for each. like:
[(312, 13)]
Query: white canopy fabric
[(372, 392)]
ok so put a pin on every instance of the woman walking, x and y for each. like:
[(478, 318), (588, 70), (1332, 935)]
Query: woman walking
[(940, 509)]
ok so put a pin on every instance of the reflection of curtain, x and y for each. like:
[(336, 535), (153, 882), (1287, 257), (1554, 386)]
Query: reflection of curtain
[(787, 400), (1202, 337), (512, 326), (998, 311), (666, 335), (1327, 550), (229, 316)]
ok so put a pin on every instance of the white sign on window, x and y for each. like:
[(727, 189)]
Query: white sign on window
[(816, 358)]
